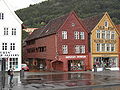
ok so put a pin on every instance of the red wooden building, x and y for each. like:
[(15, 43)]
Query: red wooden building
[(62, 45)]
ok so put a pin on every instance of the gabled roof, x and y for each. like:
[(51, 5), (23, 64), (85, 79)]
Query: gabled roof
[(12, 11), (35, 34), (91, 22), (54, 25), (118, 28), (50, 28)]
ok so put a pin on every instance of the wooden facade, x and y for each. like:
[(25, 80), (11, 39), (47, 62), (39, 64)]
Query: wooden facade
[(99, 46), (104, 44), (44, 49)]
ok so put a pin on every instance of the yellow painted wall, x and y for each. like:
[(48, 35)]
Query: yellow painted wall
[(93, 35), (112, 27)]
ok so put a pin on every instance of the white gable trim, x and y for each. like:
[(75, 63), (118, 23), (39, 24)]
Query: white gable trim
[(13, 13)]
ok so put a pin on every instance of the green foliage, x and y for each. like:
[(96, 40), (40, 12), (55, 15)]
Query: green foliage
[(47, 10), (24, 34)]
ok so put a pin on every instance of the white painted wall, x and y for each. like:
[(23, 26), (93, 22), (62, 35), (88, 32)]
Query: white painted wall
[(10, 21)]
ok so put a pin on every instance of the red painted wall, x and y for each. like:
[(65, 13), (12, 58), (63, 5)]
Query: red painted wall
[(71, 42), (54, 43), (49, 42)]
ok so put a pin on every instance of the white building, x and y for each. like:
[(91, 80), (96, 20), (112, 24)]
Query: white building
[(10, 37)]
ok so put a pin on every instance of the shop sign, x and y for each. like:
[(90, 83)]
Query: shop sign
[(7, 54), (103, 27), (104, 41), (75, 57)]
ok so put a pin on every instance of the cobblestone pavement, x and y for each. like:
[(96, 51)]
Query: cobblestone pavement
[(105, 80)]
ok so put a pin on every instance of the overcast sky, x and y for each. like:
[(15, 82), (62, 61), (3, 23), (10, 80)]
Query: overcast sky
[(18, 4)]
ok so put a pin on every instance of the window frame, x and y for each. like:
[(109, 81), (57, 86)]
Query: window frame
[(98, 34), (82, 35), (76, 35), (1, 16), (64, 34), (65, 49)]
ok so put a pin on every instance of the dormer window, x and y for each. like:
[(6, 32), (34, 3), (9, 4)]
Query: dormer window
[(1, 16), (106, 24)]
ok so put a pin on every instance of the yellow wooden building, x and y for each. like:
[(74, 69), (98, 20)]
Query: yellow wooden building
[(103, 42)]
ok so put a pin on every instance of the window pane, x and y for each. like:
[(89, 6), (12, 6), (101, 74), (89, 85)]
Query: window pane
[(98, 46), (112, 35), (82, 35), (77, 49), (108, 34), (64, 34), (98, 33), (103, 34), (76, 35), (65, 49)]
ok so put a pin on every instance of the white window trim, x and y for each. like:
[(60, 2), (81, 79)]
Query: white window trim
[(82, 35), (76, 35), (64, 34), (98, 33), (65, 49), (82, 47), (107, 24), (1, 16), (77, 49), (99, 47), (113, 32)]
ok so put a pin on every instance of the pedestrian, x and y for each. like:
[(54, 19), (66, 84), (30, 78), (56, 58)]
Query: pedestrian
[(11, 74)]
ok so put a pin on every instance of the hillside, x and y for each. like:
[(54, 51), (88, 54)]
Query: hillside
[(39, 14)]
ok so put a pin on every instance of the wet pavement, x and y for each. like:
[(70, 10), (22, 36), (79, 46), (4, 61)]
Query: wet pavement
[(105, 80)]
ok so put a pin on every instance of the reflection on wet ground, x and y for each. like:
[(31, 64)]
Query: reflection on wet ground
[(102, 88), (68, 81)]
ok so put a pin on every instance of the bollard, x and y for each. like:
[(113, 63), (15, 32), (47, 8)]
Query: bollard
[(21, 73), (95, 69)]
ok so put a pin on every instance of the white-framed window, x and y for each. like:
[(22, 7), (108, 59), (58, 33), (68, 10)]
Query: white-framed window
[(106, 24), (103, 34), (82, 48), (76, 34), (13, 31), (112, 47), (82, 35), (64, 34), (65, 49), (4, 46), (98, 47), (12, 46), (13, 63), (98, 33), (107, 34), (77, 49), (103, 47), (5, 31), (1, 16), (112, 35), (107, 47)]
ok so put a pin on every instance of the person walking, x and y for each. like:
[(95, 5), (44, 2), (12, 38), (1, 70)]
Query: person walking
[(11, 74)]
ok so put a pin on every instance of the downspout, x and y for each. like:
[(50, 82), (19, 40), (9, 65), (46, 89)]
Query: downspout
[(56, 53)]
